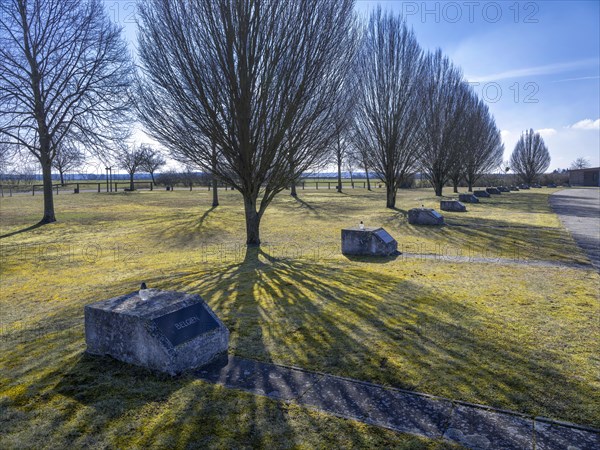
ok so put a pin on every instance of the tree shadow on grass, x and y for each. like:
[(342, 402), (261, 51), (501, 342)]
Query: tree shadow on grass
[(343, 319), (86, 399), (24, 230), (494, 238), (376, 327)]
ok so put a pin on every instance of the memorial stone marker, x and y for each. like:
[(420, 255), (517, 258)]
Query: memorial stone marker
[(493, 190), (425, 216), (503, 189), (467, 198), (363, 241), (163, 330), (481, 194), (452, 205)]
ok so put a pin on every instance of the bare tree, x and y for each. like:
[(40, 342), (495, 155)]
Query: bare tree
[(446, 102), (152, 161), (67, 157), (483, 150), (388, 113), (530, 158), (260, 79), (6, 153), (580, 163), (131, 159), (65, 73)]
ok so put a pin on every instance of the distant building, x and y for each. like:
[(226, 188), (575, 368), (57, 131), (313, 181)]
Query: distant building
[(585, 177)]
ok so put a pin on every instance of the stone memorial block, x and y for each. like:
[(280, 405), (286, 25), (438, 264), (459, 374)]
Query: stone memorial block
[(493, 190), (514, 188), (163, 330), (368, 242), (523, 186), (452, 205), (425, 216), (467, 198), (481, 194), (503, 189)]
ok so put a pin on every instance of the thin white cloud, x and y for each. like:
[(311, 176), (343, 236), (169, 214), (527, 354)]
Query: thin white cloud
[(547, 69), (547, 132), (586, 124), (577, 79)]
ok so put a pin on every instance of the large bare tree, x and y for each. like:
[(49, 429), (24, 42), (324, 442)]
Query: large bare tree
[(530, 158), (64, 74), (446, 104), (388, 113), (260, 79)]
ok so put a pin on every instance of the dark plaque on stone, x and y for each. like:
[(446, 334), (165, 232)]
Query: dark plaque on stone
[(186, 323), (384, 236)]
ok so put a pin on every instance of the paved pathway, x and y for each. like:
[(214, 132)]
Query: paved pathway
[(473, 426), (579, 211)]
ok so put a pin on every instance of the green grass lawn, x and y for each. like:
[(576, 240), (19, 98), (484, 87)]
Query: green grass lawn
[(504, 335)]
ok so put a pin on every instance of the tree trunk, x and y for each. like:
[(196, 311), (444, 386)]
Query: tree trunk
[(339, 173), (215, 182), (455, 186), (391, 195), (470, 184), (48, 194), (252, 221), (215, 186), (368, 180), (131, 185), (62, 179), (293, 189), (438, 189), (152, 176)]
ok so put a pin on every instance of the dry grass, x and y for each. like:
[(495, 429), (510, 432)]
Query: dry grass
[(505, 335)]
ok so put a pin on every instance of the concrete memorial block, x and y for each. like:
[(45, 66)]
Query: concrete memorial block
[(425, 216), (523, 186), (163, 330), (481, 194), (361, 241), (452, 205), (503, 189), (514, 188), (467, 198), (493, 190)]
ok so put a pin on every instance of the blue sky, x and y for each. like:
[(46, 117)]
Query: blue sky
[(537, 64)]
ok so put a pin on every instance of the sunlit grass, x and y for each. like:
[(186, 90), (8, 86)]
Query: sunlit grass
[(510, 336)]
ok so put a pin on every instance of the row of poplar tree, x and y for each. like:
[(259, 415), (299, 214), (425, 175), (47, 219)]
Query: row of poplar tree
[(255, 92)]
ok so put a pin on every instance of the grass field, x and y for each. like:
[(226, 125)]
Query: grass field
[(505, 335)]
